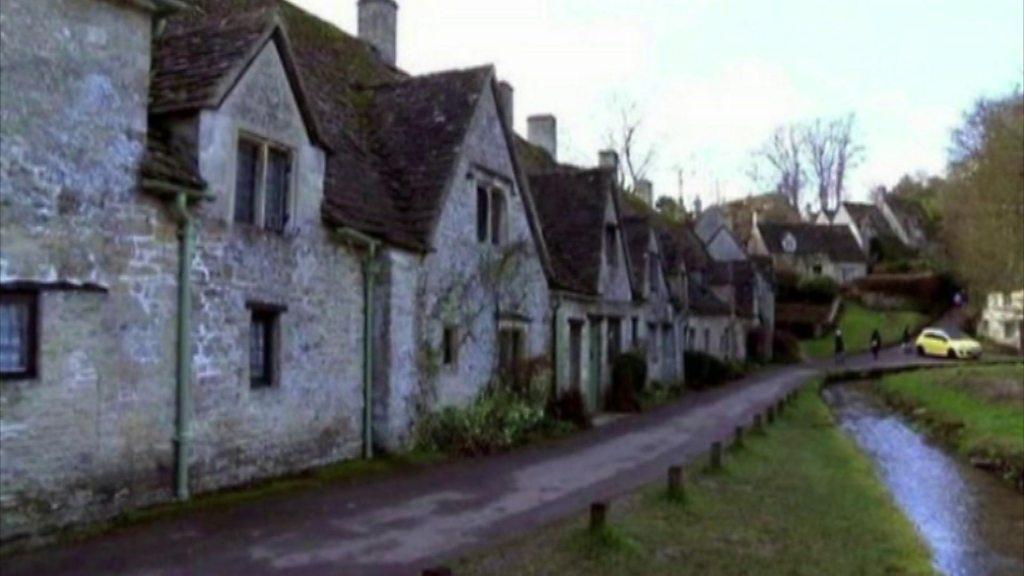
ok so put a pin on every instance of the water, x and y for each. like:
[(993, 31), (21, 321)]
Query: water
[(973, 522)]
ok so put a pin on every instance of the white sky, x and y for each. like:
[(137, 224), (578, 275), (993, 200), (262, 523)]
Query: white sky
[(712, 78)]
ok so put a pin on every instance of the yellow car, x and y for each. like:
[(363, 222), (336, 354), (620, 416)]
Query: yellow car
[(947, 344)]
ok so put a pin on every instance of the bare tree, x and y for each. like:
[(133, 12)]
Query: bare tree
[(779, 163), (630, 141), (831, 153)]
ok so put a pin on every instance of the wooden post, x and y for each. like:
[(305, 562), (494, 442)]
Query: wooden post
[(738, 441), (758, 426), (675, 481), (598, 515), (716, 455), (779, 407), (769, 415), (438, 571)]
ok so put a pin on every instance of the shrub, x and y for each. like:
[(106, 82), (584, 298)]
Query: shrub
[(926, 291), (497, 420), (706, 371), (571, 407), (820, 290), (657, 393), (785, 348), (629, 374)]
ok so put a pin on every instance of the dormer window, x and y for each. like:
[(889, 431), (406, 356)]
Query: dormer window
[(491, 215), (263, 179), (611, 252), (652, 272)]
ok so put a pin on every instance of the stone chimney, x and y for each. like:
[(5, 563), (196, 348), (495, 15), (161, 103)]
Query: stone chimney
[(608, 159), (378, 27), (542, 131), (645, 191), (506, 99), (698, 207)]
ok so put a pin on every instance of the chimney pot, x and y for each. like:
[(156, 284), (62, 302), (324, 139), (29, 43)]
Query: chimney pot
[(608, 159), (542, 131), (506, 99), (645, 191), (378, 27)]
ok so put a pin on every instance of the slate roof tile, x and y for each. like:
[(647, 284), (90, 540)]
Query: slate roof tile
[(167, 164), (836, 242)]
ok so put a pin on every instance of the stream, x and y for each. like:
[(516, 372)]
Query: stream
[(973, 523)]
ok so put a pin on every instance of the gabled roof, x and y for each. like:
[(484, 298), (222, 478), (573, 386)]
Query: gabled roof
[(637, 232), (742, 276), (835, 242), (769, 208), (571, 207), (869, 213), (393, 139), (704, 303)]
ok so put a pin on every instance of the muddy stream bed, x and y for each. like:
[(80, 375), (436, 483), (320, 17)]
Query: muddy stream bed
[(973, 522)]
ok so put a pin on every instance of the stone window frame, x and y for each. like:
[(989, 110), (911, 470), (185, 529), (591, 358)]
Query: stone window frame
[(496, 190), (30, 299), (521, 328), (265, 145), (271, 314), (611, 244)]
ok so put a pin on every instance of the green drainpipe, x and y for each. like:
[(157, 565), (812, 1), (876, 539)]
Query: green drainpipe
[(183, 417), (370, 268)]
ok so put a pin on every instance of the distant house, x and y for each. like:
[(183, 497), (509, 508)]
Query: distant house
[(867, 223), (1002, 320), (771, 207), (905, 218), (811, 250), (714, 228)]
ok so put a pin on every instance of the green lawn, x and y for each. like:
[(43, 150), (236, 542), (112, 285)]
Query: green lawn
[(857, 323), (801, 500), (979, 409)]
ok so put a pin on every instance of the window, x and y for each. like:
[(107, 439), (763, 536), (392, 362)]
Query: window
[(450, 346), (491, 215), (634, 331), (817, 269), (666, 343), (263, 178), (481, 214), (610, 249), (510, 342), (575, 354), (652, 273), (263, 345), (18, 334), (614, 338)]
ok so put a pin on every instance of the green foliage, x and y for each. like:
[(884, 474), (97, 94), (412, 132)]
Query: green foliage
[(629, 374), (571, 407), (857, 323), (799, 500), (979, 410), (983, 204), (705, 371), (658, 393), (785, 348), (792, 288)]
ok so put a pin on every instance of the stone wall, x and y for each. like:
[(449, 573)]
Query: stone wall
[(91, 435)]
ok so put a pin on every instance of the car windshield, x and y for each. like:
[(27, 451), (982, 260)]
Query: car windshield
[(955, 333)]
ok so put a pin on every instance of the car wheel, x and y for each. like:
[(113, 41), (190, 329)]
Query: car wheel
[(920, 350), (951, 354)]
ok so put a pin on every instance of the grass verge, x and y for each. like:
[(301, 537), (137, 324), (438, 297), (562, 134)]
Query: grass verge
[(979, 410), (857, 323), (800, 499)]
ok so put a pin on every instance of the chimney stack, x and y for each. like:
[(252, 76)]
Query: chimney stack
[(608, 159), (378, 27), (506, 99), (645, 191), (542, 131)]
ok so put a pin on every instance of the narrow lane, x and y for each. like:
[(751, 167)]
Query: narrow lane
[(398, 525)]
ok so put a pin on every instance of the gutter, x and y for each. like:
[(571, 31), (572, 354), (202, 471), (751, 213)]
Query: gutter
[(370, 269)]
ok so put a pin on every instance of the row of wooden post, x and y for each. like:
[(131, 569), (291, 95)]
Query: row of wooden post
[(676, 489)]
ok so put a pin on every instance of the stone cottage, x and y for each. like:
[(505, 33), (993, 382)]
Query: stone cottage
[(867, 223), (1002, 319), (239, 242), (810, 250), (592, 292)]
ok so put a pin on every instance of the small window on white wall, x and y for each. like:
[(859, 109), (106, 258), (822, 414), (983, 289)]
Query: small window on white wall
[(491, 215)]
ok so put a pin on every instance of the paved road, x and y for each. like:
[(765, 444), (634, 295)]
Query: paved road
[(400, 525)]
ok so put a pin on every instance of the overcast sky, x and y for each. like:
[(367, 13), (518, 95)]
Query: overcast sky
[(713, 77)]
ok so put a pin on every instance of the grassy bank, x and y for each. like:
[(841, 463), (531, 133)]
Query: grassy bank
[(857, 323), (977, 409), (800, 500)]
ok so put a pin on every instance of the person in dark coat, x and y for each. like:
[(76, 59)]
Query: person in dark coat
[(840, 346), (906, 339), (876, 343)]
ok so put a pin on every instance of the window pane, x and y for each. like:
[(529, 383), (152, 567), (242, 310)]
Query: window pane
[(14, 337), (481, 214), (258, 342), (497, 218), (279, 168), (245, 182), (609, 245)]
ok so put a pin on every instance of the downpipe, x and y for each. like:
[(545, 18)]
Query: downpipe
[(183, 415)]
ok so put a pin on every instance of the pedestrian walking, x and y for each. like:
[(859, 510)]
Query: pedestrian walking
[(876, 343), (840, 346), (906, 339)]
